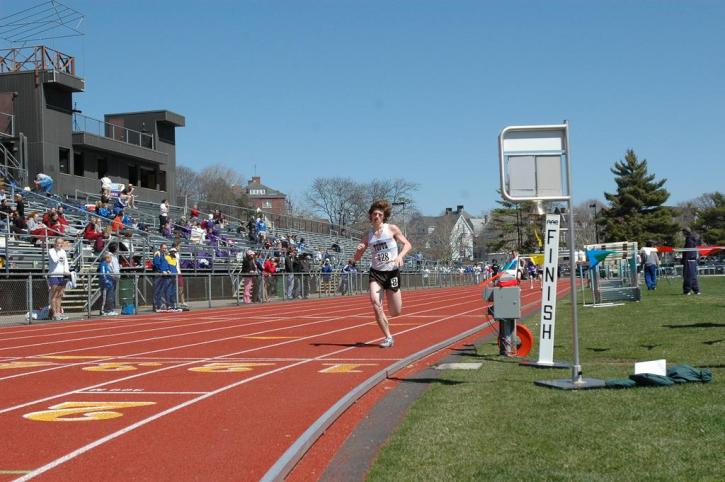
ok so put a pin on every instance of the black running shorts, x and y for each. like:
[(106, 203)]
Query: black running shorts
[(389, 280)]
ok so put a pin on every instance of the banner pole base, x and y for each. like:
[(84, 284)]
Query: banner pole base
[(538, 364), (569, 384)]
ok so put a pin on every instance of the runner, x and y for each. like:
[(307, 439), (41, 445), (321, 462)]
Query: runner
[(386, 261)]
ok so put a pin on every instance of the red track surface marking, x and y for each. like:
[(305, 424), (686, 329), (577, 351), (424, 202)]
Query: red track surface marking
[(209, 399)]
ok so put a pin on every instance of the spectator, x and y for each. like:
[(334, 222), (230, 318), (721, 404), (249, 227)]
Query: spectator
[(43, 183), (19, 226), (105, 197), (163, 213), (120, 204), (130, 192), (55, 227), (166, 230), (347, 272), (58, 271), (194, 214), (270, 268), (171, 292), (252, 230), (249, 272), (197, 234), (5, 211), (290, 261), (106, 183), (36, 228), (163, 271), (261, 230), (108, 286), (689, 264), (336, 247), (19, 204), (651, 261), (176, 250), (326, 271)]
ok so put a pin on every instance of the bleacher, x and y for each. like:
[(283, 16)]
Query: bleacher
[(24, 253)]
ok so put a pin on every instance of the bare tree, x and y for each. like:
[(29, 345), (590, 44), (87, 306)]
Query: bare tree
[(219, 184), (187, 182), (584, 222), (337, 198)]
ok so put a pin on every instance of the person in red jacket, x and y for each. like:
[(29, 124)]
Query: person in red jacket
[(269, 268)]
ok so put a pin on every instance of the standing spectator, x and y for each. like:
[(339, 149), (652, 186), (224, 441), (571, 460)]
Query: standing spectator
[(179, 277), (252, 230), (108, 286), (347, 273), (163, 213), (689, 264), (172, 299), (289, 282), (58, 271), (194, 214), (249, 272), (326, 271), (261, 230), (19, 204), (651, 261), (270, 268), (43, 183), (162, 270)]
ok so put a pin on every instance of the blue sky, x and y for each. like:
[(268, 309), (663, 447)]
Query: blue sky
[(416, 88)]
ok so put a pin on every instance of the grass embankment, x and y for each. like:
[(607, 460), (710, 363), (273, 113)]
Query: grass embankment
[(495, 424)]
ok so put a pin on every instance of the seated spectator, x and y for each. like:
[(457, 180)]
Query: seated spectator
[(55, 226), (167, 231), (130, 192), (19, 226), (105, 196), (5, 211), (252, 229), (119, 204), (46, 216), (19, 204), (93, 230), (36, 228), (197, 234)]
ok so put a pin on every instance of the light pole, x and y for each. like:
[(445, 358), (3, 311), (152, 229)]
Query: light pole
[(596, 228), (402, 212)]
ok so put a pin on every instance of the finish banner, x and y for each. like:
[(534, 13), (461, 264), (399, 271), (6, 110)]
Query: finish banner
[(548, 294)]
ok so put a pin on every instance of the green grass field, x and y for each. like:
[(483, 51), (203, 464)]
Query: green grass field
[(495, 424)]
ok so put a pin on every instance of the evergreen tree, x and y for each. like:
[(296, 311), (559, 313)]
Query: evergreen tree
[(710, 222), (514, 227), (636, 211)]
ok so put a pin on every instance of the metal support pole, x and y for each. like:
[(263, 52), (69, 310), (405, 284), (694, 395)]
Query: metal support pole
[(29, 290), (135, 292), (88, 293), (208, 279), (576, 370), (239, 286)]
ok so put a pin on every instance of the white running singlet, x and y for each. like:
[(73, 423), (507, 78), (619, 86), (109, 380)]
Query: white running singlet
[(384, 249)]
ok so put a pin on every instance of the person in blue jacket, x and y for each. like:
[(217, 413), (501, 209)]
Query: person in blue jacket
[(162, 278), (108, 286)]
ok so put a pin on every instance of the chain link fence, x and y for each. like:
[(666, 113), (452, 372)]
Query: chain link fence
[(24, 299)]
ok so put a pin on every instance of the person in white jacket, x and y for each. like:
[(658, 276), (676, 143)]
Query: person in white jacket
[(58, 271)]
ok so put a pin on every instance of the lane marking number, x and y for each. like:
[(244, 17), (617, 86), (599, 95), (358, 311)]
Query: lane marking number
[(228, 367), (345, 367), (85, 411)]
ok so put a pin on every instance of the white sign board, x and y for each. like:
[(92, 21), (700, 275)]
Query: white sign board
[(533, 141), (548, 295)]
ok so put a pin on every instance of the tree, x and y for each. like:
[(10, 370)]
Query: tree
[(187, 182), (345, 202), (514, 227), (584, 222), (710, 219), (337, 198), (636, 211)]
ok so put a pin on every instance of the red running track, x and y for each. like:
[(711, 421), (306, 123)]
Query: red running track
[(217, 394)]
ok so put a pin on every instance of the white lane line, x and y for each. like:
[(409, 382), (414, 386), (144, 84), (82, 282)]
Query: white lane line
[(132, 392), (143, 340), (209, 359), (140, 423), (172, 327)]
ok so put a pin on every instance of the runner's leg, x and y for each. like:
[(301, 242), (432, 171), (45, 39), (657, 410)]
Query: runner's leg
[(376, 299)]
